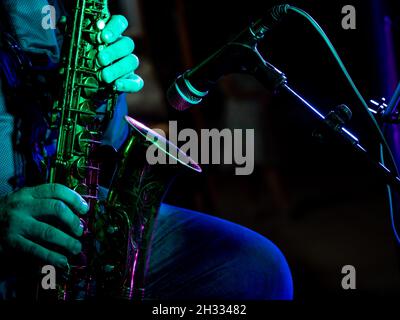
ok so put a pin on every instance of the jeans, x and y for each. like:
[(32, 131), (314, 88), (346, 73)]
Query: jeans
[(197, 256)]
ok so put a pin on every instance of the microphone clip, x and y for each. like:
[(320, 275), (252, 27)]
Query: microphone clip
[(381, 112)]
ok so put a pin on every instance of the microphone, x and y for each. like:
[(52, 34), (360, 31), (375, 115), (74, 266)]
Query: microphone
[(238, 56)]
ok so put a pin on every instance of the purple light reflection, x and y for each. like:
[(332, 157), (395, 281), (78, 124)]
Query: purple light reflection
[(391, 81)]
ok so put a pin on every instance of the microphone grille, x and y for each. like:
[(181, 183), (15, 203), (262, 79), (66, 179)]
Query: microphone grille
[(181, 95), (275, 15), (277, 12)]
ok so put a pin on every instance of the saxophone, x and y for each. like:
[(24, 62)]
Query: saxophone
[(117, 230)]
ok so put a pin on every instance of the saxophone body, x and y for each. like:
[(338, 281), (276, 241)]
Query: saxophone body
[(118, 229), (79, 126)]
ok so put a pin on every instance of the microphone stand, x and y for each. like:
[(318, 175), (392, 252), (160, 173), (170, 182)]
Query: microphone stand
[(390, 112), (333, 122)]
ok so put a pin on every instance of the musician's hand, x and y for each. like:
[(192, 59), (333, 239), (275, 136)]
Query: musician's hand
[(117, 57), (28, 218)]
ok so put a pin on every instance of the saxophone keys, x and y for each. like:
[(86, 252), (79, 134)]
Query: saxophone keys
[(83, 139), (91, 87), (87, 114), (82, 189), (62, 24), (92, 168), (80, 168), (112, 229), (108, 268), (100, 24), (89, 197)]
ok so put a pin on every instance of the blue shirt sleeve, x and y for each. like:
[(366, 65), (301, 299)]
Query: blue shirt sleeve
[(117, 130)]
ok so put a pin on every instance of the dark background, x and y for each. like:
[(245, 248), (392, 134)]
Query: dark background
[(318, 202)]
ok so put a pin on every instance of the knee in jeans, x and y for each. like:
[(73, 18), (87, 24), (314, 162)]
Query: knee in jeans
[(265, 274)]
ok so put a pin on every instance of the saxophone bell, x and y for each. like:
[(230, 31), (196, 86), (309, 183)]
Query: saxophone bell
[(136, 193)]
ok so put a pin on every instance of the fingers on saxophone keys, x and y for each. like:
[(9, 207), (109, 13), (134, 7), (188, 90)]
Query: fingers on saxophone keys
[(122, 48), (59, 212), (119, 69), (114, 29), (29, 247), (131, 83), (46, 234), (61, 192)]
